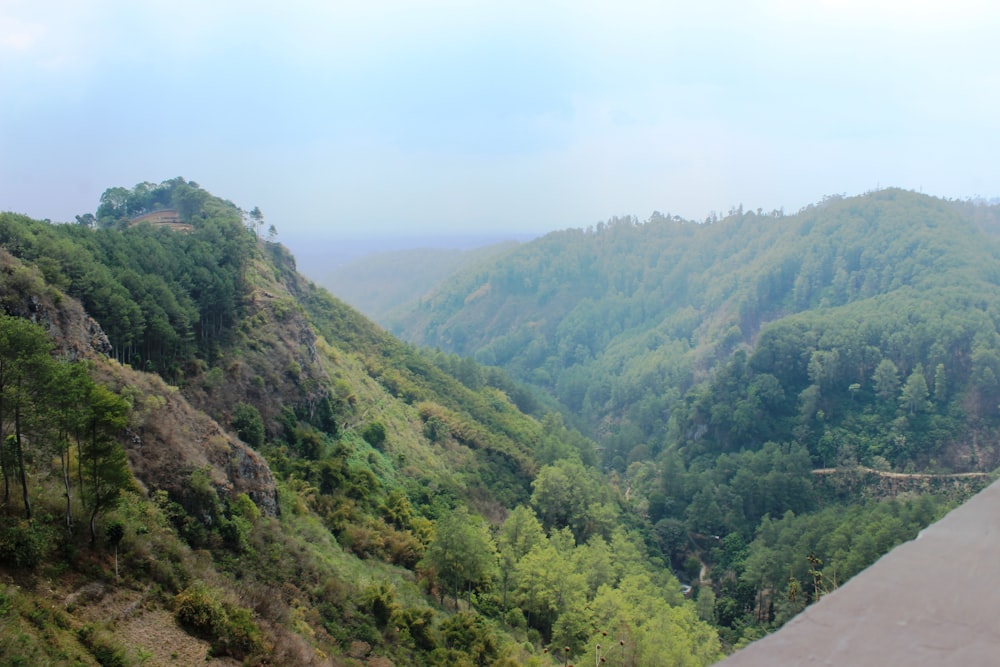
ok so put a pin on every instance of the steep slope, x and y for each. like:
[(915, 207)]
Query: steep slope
[(302, 489), (167, 438)]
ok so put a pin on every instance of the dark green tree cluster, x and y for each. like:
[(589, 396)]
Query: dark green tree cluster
[(119, 205), (796, 559), (163, 297)]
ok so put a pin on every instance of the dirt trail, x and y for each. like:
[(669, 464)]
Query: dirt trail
[(901, 475)]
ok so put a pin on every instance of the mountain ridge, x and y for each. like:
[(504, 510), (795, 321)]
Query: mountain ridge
[(612, 302)]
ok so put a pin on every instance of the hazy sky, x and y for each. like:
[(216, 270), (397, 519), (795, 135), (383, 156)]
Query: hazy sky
[(353, 118)]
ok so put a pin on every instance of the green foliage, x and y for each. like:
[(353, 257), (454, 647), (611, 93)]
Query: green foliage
[(230, 628), (105, 650), (23, 544), (114, 531), (248, 424), (162, 296), (719, 337), (795, 559), (102, 459), (461, 554), (374, 434), (470, 634), (718, 365), (569, 495)]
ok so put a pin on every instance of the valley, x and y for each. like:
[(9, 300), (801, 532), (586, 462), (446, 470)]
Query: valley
[(664, 436)]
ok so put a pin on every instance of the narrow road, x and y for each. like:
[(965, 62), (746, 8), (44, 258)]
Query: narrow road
[(901, 475)]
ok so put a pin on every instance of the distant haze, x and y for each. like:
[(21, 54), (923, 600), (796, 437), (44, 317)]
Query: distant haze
[(319, 254), (344, 120)]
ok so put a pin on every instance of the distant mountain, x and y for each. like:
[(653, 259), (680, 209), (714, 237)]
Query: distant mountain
[(383, 282)]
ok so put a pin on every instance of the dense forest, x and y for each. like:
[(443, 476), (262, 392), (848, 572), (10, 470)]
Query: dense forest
[(208, 458), (869, 320)]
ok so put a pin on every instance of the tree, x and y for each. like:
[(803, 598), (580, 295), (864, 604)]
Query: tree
[(113, 207), (705, 605), (547, 584), (569, 494), (915, 393), (249, 424), (256, 221), (520, 533), (103, 459), (462, 553), (940, 384), (114, 532), (67, 407), (886, 379), (86, 220), (25, 368)]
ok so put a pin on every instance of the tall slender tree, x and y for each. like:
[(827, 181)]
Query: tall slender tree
[(103, 459), (26, 365)]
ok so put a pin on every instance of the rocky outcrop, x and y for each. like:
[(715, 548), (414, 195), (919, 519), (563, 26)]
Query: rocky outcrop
[(24, 293), (170, 440), (278, 365)]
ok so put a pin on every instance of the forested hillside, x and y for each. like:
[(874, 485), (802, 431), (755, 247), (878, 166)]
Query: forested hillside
[(744, 376), (869, 321), (208, 459)]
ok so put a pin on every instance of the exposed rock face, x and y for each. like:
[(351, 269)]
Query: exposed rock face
[(23, 293), (250, 473), (171, 440)]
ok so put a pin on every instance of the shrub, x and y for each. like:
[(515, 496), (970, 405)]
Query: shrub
[(22, 544), (102, 647), (374, 434), (249, 425), (231, 629)]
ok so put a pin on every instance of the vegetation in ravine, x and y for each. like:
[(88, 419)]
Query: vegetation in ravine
[(408, 513)]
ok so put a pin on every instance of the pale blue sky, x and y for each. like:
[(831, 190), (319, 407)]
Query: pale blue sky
[(344, 119)]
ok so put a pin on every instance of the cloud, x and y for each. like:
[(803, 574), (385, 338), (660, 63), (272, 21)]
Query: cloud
[(537, 114)]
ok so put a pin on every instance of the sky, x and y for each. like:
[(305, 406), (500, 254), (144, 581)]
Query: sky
[(409, 118)]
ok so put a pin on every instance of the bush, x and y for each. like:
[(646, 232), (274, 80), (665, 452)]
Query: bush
[(102, 647), (249, 425), (231, 629), (374, 434), (22, 544)]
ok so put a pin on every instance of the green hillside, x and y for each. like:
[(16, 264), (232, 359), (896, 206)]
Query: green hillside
[(208, 459), (721, 336)]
